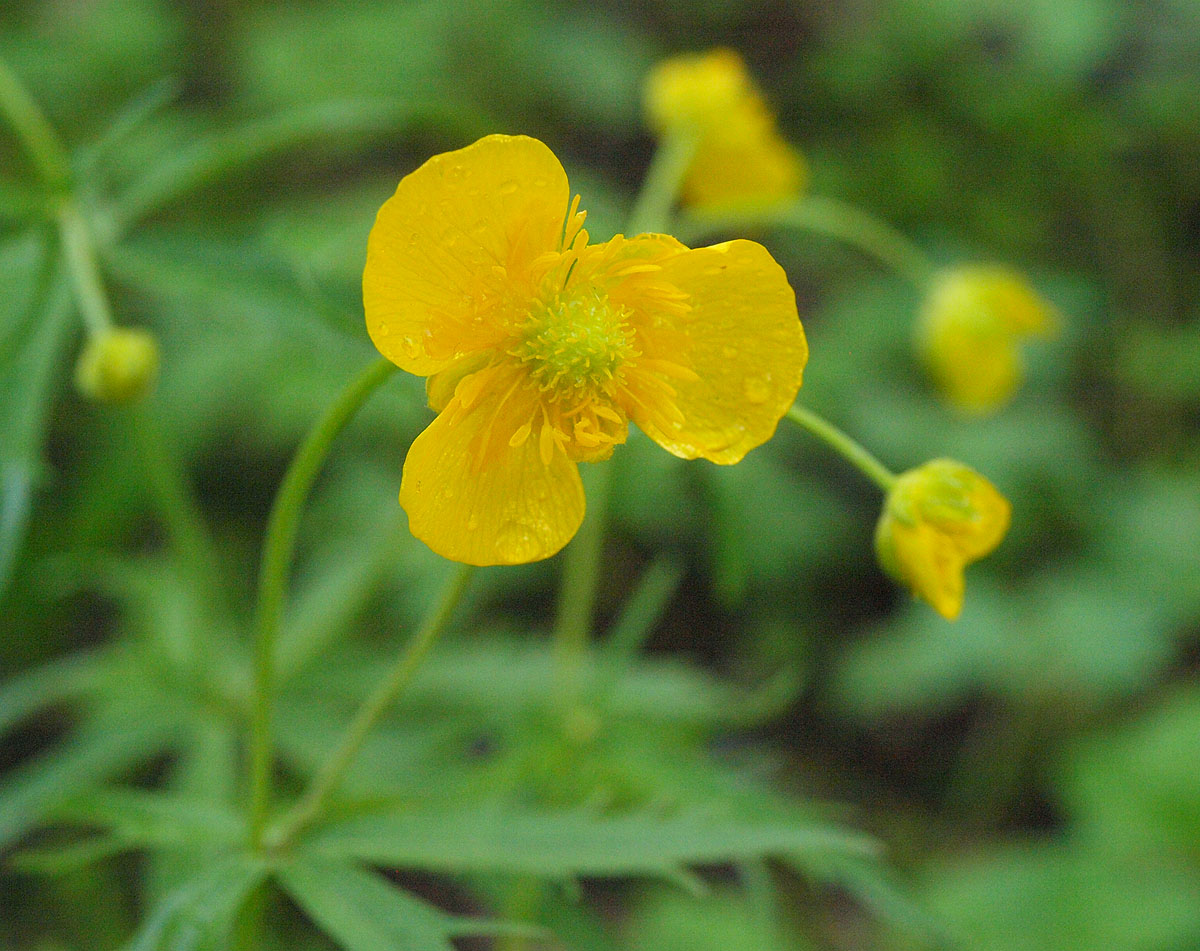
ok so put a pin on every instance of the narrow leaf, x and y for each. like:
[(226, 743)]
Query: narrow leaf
[(361, 911), (34, 790), (561, 845), (155, 819), (202, 909), (51, 683)]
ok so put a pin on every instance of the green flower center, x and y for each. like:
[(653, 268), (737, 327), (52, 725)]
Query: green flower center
[(575, 343)]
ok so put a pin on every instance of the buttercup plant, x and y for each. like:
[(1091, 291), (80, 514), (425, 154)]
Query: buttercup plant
[(539, 348)]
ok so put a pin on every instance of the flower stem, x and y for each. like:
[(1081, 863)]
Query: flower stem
[(177, 505), (836, 219), (37, 136), (313, 803), (80, 253), (849, 448), (580, 583), (651, 210), (278, 548)]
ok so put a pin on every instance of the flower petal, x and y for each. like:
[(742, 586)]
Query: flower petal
[(745, 346), (488, 506), (453, 244)]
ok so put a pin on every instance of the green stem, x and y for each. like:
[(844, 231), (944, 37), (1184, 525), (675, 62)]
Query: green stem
[(278, 547), (580, 584), (852, 450), (651, 210), (176, 504), (836, 219), (80, 253), (38, 138), (313, 803)]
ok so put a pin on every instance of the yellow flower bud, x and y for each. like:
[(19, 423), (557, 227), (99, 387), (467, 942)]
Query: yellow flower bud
[(118, 366), (969, 330), (740, 156), (937, 519)]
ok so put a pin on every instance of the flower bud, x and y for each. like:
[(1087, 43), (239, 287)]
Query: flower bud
[(969, 330), (937, 519), (740, 156), (117, 366)]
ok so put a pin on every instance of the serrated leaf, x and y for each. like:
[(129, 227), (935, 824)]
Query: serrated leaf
[(568, 844)]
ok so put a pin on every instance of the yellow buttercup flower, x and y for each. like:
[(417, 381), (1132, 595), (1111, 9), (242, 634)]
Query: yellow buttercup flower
[(937, 519), (118, 366), (540, 347), (740, 156), (970, 329)]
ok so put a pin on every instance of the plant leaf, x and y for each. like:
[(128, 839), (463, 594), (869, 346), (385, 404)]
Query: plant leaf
[(199, 912), (52, 682), (154, 819), (568, 844), (110, 745)]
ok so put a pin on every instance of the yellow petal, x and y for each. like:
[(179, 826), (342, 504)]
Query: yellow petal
[(454, 243), (744, 343), (512, 509)]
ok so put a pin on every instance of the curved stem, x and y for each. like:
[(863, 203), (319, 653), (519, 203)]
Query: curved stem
[(836, 219), (278, 547), (313, 803), (849, 448), (80, 253), (652, 208), (38, 138)]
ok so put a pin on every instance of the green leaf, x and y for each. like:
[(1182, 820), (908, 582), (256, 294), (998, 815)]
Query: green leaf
[(51, 683), (199, 912), (155, 820), (109, 746), (363, 912), (27, 382), (225, 153), (568, 844)]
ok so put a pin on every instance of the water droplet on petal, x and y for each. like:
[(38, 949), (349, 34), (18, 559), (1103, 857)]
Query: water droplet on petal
[(509, 187), (757, 391), (516, 542)]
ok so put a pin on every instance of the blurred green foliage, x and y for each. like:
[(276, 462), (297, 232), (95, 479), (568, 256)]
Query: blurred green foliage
[(1031, 771)]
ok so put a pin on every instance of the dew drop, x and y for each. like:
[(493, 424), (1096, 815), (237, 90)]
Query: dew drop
[(509, 188), (757, 391), (516, 542), (714, 269), (455, 173)]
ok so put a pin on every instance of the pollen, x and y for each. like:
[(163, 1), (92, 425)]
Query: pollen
[(576, 344)]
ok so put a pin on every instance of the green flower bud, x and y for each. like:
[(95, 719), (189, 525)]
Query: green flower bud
[(118, 366)]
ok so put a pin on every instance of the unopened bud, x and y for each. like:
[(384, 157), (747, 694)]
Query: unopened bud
[(937, 519), (969, 331), (118, 366)]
